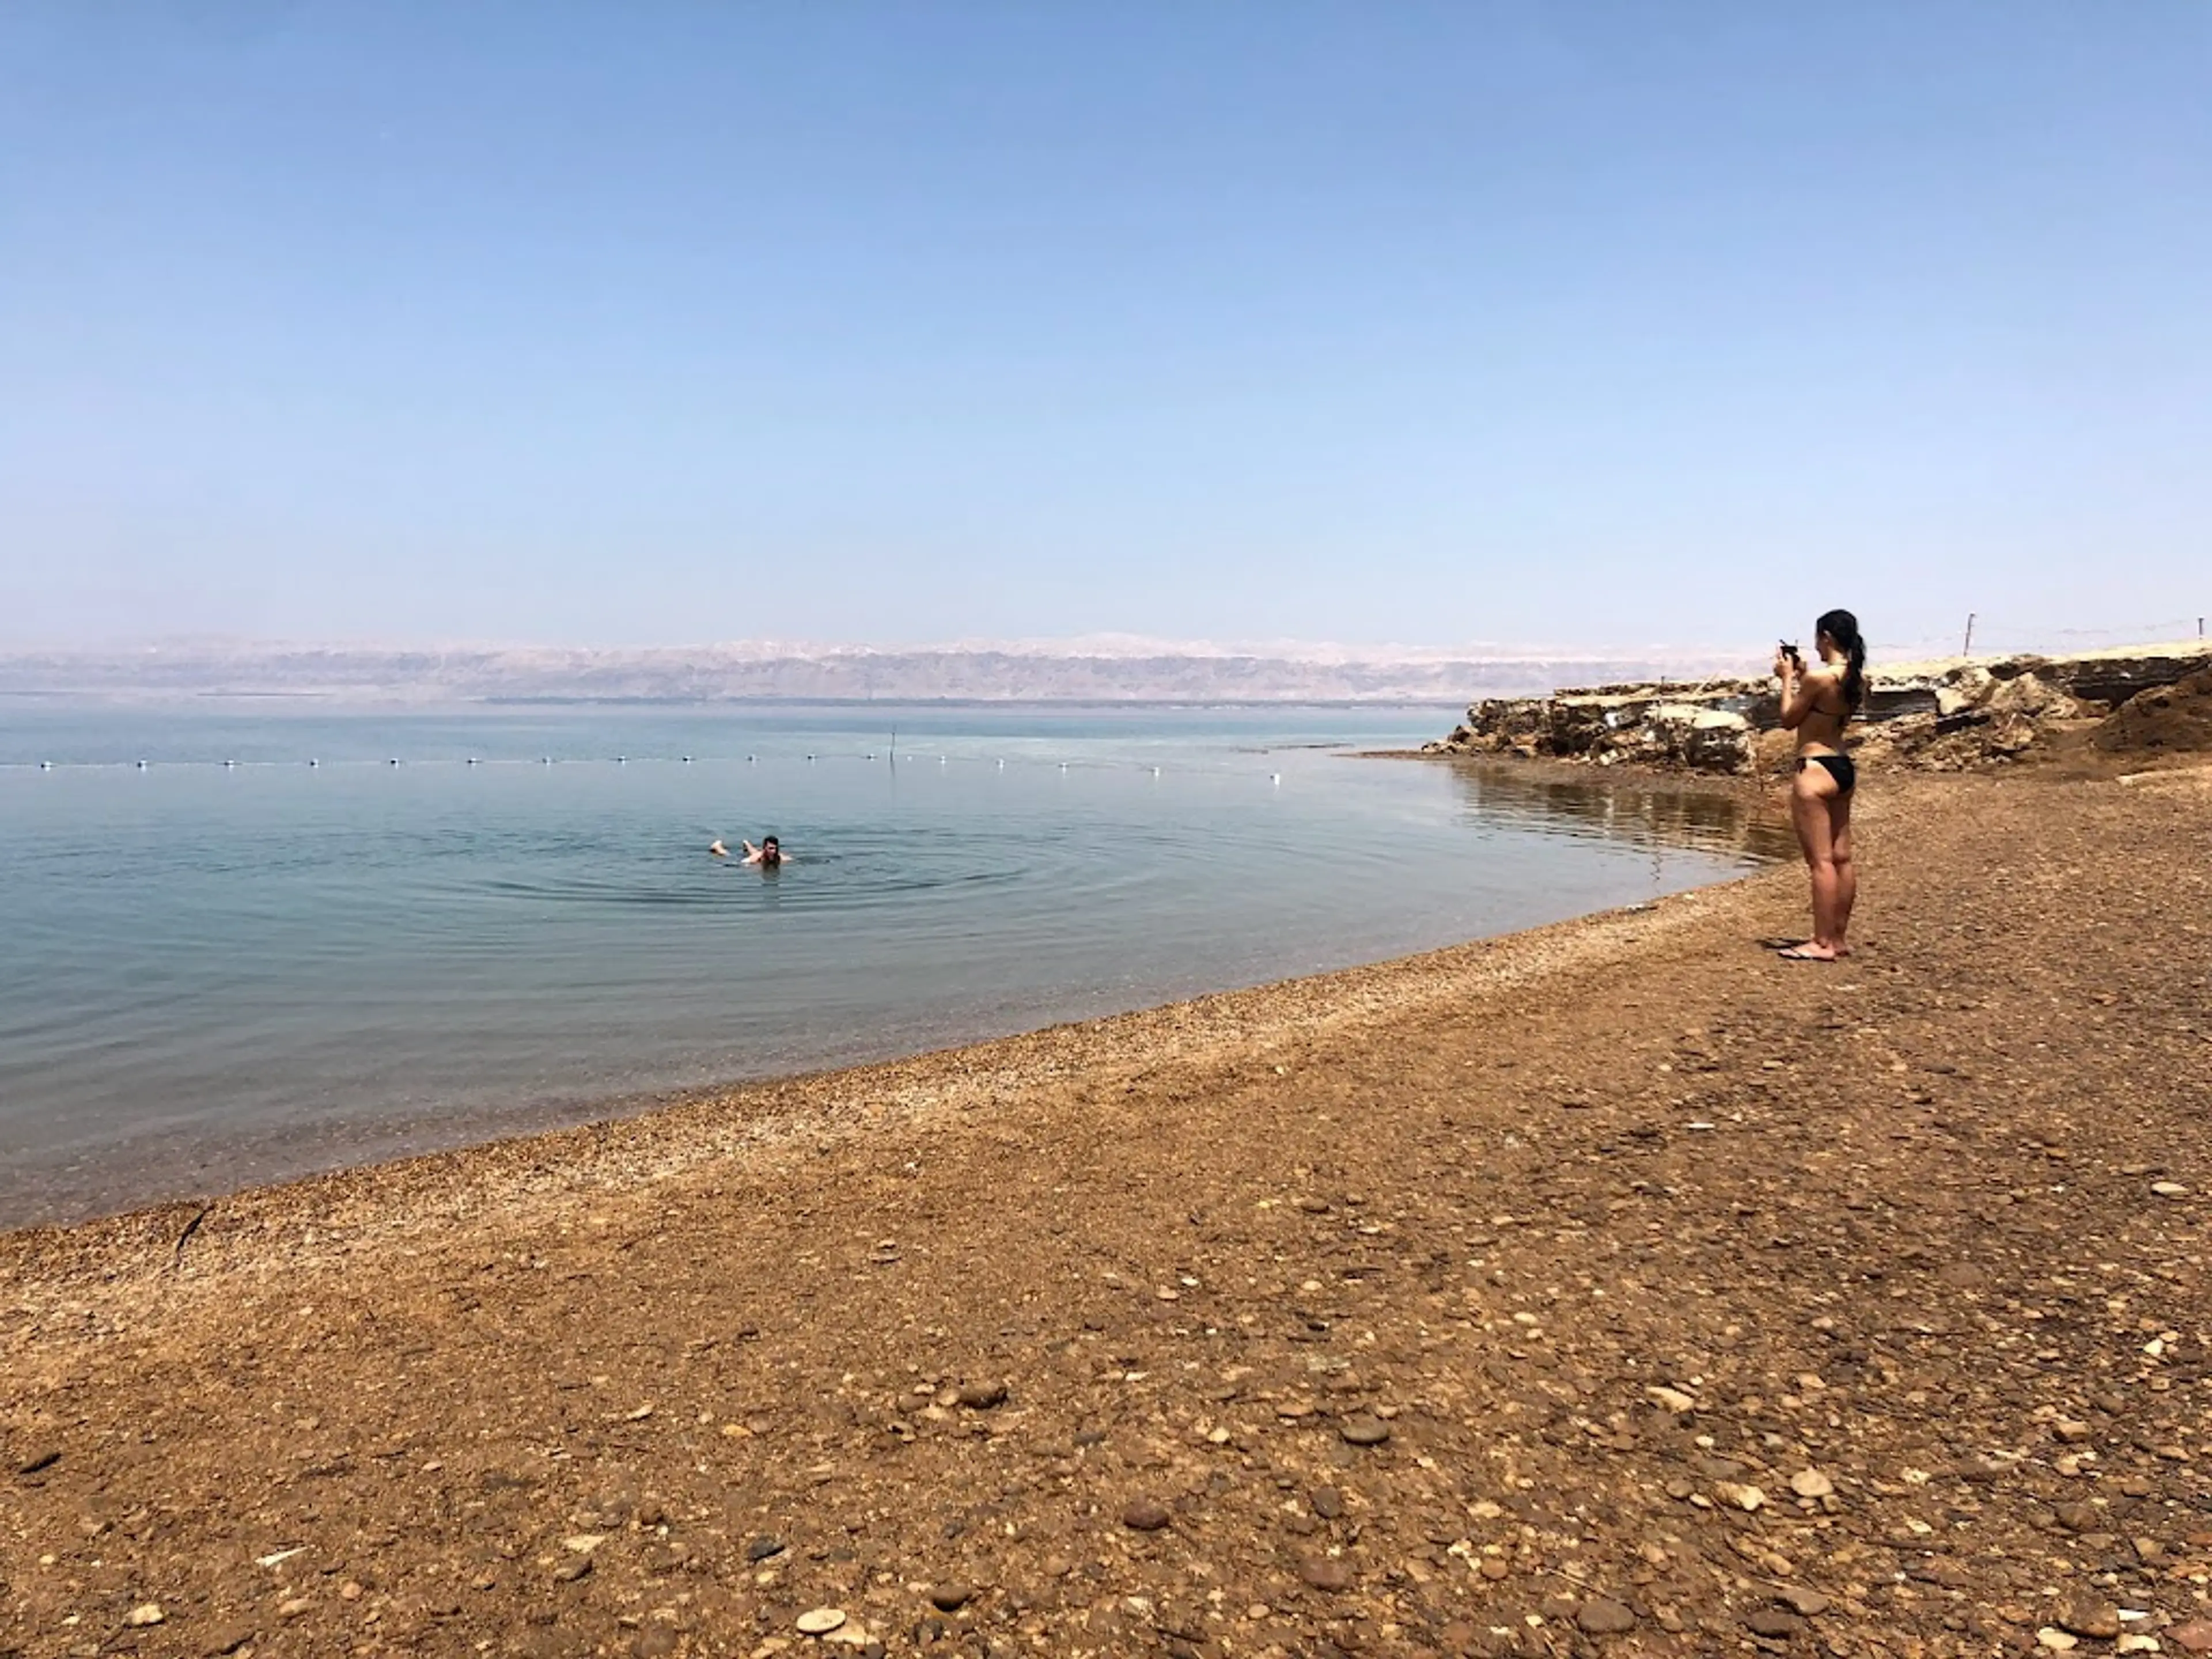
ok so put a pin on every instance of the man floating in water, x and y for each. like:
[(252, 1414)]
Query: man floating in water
[(768, 855)]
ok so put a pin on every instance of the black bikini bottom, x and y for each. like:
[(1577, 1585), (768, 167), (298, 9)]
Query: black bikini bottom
[(1840, 767)]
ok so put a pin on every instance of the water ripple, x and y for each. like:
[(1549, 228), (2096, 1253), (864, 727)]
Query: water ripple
[(365, 956)]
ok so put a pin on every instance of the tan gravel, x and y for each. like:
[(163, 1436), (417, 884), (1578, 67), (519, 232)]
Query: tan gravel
[(1612, 1288)]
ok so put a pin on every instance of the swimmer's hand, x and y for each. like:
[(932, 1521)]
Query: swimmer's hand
[(718, 850)]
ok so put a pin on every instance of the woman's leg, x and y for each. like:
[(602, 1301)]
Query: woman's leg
[(1847, 875), (1809, 810)]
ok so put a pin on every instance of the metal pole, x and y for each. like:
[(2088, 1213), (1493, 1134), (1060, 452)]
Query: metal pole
[(1967, 649)]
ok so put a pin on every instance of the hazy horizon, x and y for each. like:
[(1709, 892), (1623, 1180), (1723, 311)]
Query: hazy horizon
[(1118, 669), (616, 326)]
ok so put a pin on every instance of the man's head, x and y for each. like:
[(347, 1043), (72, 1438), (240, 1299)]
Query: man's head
[(769, 843)]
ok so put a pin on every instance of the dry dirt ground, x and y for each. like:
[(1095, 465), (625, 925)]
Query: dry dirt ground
[(1613, 1288)]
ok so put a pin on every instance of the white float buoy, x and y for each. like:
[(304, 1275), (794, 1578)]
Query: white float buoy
[(471, 760), (229, 765), (687, 760), (1274, 777), (311, 762), (45, 766), (749, 760), (142, 766)]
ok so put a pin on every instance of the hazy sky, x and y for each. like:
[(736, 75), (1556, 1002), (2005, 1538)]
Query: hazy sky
[(664, 322)]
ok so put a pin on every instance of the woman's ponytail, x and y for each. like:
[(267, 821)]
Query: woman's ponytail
[(1843, 627)]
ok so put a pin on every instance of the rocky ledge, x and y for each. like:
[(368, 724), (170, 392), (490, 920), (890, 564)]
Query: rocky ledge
[(1949, 715)]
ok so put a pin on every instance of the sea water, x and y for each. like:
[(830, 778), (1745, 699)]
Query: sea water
[(240, 945)]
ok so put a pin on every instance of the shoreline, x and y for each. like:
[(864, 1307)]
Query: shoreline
[(381, 1143), (662, 1135), (1609, 1287)]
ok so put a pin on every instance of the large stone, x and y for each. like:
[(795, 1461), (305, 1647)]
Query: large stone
[(1326, 1572), (1604, 1616), (2029, 694), (2086, 1615), (1145, 1515)]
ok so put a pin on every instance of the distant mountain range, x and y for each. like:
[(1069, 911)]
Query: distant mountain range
[(1107, 669)]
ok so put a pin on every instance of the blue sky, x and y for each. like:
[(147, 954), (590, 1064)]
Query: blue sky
[(1608, 324)]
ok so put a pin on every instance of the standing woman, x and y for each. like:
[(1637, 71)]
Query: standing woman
[(1815, 704)]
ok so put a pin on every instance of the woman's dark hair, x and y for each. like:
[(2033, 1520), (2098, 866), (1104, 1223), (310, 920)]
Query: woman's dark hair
[(1843, 627)]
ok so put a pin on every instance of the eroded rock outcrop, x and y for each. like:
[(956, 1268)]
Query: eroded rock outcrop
[(1942, 716), (2175, 718)]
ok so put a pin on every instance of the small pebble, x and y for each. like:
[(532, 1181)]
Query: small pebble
[(1365, 1432), (820, 1621), (951, 1596), (147, 1613)]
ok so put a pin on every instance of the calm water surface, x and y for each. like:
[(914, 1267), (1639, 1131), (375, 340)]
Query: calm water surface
[(213, 975)]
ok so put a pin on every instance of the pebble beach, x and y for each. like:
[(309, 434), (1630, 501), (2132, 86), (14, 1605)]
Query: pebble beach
[(1609, 1288)]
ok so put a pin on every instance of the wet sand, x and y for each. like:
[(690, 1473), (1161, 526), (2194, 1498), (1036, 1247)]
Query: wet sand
[(1613, 1286)]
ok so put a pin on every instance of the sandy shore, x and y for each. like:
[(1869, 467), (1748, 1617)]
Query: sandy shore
[(1459, 1304)]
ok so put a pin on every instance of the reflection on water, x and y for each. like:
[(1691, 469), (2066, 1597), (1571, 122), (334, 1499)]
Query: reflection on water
[(1634, 808)]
